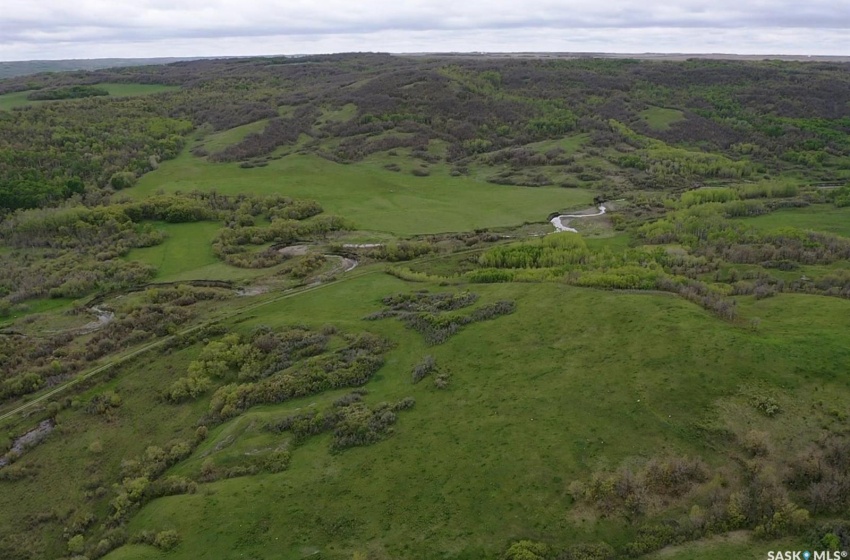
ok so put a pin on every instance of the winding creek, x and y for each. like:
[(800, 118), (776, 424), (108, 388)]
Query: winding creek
[(347, 263), (559, 224)]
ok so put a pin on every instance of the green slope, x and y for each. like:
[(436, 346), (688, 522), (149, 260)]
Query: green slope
[(574, 381)]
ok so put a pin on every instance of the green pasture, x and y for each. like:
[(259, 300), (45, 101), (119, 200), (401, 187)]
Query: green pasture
[(44, 305), (817, 217), (370, 196), (660, 118), (19, 99), (218, 141), (342, 114), (187, 254)]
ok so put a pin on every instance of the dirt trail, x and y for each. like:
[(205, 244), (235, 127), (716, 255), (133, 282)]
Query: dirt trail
[(345, 264)]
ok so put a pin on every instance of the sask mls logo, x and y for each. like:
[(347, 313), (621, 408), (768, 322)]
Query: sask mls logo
[(806, 555)]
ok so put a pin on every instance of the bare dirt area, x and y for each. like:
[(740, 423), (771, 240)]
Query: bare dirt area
[(29, 439), (294, 250), (252, 291), (103, 318)]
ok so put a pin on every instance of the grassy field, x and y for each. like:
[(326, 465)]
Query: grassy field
[(371, 197), (574, 382), (570, 144), (37, 306), (660, 118), (697, 412), (344, 113), (187, 255), (220, 140), (537, 399), (818, 217)]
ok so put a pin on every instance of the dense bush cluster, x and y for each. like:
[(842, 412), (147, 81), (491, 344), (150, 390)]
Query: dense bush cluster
[(841, 196), (274, 461), (713, 236), (352, 422), (565, 257), (53, 151), (72, 252), (77, 251), (137, 325), (273, 367), (400, 250), (763, 496), (633, 492), (822, 474), (429, 314), (531, 550), (141, 479), (424, 368), (29, 364), (278, 132), (234, 358), (232, 243), (71, 92)]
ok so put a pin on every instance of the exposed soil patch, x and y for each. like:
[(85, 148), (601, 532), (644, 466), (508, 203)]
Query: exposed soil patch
[(103, 318), (294, 250), (252, 291), (362, 245), (28, 440)]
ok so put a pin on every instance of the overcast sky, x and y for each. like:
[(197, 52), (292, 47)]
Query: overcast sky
[(56, 29)]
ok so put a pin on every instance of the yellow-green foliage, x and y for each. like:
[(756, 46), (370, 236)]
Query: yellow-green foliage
[(668, 160), (737, 193), (553, 250), (768, 190), (702, 196)]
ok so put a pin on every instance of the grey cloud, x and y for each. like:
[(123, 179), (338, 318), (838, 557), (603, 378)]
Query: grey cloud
[(28, 26)]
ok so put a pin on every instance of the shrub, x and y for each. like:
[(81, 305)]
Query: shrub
[(276, 461), (426, 313), (404, 404), (441, 381), (767, 405), (757, 443), (166, 540), (122, 180), (653, 537), (423, 368), (76, 544), (526, 550), (594, 551)]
